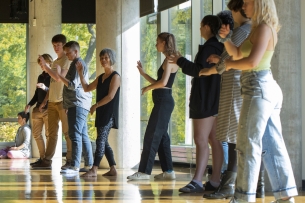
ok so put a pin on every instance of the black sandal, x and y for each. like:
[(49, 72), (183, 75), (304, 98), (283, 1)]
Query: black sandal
[(192, 187)]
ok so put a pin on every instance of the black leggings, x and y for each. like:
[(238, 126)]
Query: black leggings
[(102, 145)]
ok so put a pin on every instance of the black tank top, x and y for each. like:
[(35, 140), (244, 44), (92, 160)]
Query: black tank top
[(170, 79), (105, 112)]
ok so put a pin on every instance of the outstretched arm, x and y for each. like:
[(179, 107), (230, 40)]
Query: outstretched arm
[(142, 72), (161, 83)]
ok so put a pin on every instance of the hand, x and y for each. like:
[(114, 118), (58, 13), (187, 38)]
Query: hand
[(228, 63), (79, 67), (140, 68), (173, 58), (93, 108), (27, 108), (213, 59), (43, 104), (41, 85), (204, 72), (224, 31), (145, 89), (42, 62), (14, 148)]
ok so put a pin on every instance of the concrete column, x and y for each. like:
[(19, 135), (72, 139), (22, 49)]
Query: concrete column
[(286, 68), (44, 23), (303, 91), (118, 28)]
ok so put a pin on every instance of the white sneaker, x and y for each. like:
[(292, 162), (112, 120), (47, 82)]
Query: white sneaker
[(166, 176), (139, 176), (291, 200), (71, 170)]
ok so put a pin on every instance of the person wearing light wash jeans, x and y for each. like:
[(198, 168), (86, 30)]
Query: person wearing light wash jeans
[(77, 102), (259, 130)]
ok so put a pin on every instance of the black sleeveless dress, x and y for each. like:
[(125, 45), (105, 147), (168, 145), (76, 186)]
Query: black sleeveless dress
[(105, 112)]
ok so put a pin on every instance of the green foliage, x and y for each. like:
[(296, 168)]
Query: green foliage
[(13, 69), (8, 131)]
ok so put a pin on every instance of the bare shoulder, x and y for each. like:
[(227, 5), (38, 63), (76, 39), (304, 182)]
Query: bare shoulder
[(173, 67)]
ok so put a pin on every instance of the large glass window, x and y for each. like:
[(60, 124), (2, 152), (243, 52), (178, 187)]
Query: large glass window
[(178, 21), (84, 34), (180, 25), (148, 59), (12, 78)]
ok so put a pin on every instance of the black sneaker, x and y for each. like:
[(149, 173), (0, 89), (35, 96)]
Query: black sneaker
[(36, 162), (44, 164), (66, 166), (192, 187)]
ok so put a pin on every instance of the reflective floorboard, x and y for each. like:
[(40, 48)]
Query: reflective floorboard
[(18, 183)]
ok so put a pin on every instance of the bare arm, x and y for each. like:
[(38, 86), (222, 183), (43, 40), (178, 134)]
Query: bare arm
[(52, 73), (232, 50), (161, 83), (114, 85), (260, 40), (142, 72), (208, 71), (86, 87)]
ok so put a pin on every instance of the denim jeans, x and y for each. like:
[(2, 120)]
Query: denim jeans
[(260, 136), (78, 133), (156, 138)]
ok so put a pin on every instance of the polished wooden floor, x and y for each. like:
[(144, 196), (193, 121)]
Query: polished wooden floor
[(18, 183)]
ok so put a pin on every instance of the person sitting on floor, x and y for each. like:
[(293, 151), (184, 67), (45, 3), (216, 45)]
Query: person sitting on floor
[(21, 149)]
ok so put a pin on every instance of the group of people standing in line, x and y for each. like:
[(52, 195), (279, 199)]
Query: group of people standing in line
[(232, 84)]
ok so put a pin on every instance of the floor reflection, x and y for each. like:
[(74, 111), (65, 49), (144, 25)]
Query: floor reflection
[(18, 183)]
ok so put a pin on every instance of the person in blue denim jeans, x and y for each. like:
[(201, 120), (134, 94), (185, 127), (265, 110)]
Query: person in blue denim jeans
[(77, 102), (259, 130)]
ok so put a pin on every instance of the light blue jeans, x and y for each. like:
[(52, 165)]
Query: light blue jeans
[(260, 136), (78, 133)]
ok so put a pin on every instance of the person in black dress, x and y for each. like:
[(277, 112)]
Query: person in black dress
[(107, 87), (156, 138)]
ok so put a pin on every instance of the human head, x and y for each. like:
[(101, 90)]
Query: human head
[(213, 23), (23, 117), (72, 50), (47, 58), (236, 6), (226, 18), (262, 11), (168, 42), (111, 56), (58, 41)]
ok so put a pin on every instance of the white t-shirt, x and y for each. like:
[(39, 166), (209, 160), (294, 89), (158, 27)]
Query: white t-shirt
[(56, 88)]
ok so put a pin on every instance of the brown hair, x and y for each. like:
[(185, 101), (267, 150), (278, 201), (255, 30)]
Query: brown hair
[(170, 43), (47, 58), (236, 5)]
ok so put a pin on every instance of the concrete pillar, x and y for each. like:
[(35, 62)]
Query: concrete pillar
[(286, 68), (118, 28), (44, 23)]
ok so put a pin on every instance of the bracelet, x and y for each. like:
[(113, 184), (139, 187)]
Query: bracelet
[(221, 67), (223, 40)]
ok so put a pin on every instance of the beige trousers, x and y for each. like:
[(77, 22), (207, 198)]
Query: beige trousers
[(56, 112)]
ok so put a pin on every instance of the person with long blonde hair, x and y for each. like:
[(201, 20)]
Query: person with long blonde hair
[(259, 130)]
